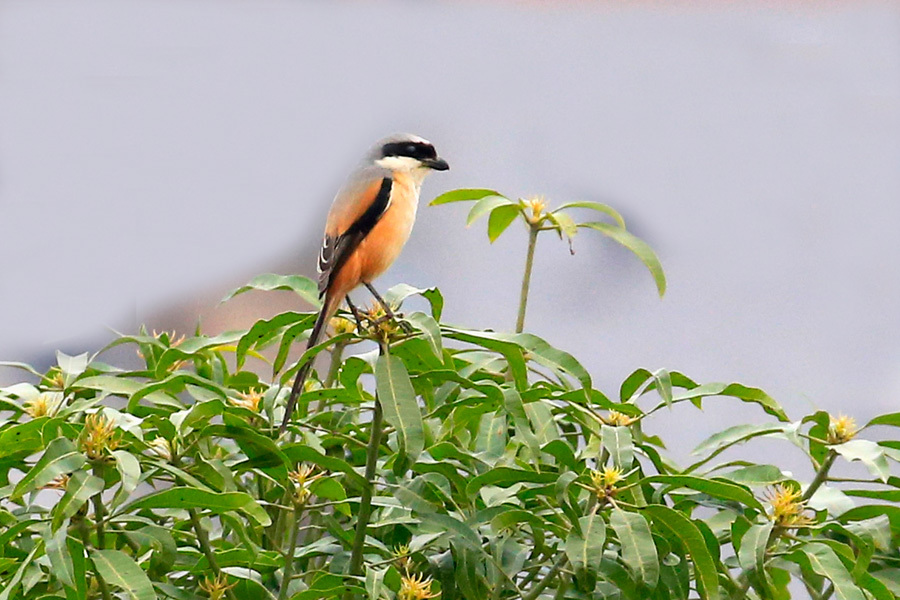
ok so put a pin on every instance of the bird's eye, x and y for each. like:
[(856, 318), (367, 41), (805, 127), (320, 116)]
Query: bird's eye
[(411, 149)]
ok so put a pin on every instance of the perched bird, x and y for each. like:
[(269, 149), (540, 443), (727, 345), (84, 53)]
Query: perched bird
[(368, 224)]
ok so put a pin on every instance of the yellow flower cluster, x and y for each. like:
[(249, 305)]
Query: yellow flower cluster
[(303, 477), (617, 419), (841, 429), (788, 510), (216, 588), (416, 587), (341, 325), (249, 400), (46, 404), (604, 482), (538, 205), (98, 436)]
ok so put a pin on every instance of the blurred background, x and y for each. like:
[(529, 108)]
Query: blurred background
[(154, 155)]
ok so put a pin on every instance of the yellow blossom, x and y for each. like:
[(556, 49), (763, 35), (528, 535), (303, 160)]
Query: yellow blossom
[(841, 429), (788, 510), (303, 477), (216, 588), (604, 482), (98, 436), (45, 404), (617, 419), (416, 587), (401, 553), (161, 447), (537, 204), (341, 325), (59, 483), (250, 400), (170, 338)]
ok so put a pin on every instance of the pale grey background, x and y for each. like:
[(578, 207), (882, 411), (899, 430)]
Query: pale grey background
[(155, 154)]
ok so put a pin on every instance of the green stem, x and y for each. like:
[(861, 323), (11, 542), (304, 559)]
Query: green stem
[(534, 592), (526, 278), (821, 476), (98, 508), (365, 501), (203, 540), (289, 557), (86, 541)]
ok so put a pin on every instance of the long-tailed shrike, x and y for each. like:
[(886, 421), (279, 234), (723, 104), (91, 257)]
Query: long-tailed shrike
[(369, 222)]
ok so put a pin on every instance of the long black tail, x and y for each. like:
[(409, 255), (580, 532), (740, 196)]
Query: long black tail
[(314, 338)]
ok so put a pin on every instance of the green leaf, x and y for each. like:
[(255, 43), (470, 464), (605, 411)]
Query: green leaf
[(263, 328), (604, 208), (501, 218), (58, 553), (826, 563), (638, 550), (215, 502), (13, 583), (892, 419), (617, 441), (22, 438), (81, 486), (401, 407), (755, 475), (462, 195), (679, 526), (565, 223), (400, 292), (512, 402), (120, 570), (305, 287), (430, 330), (585, 549), (867, 452), (506, 476), (752, 552), (484, 206), (640, 248), (726, 438), (60, 458), (716, 488)]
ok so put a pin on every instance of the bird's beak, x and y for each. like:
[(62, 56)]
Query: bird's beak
[(438, 164)]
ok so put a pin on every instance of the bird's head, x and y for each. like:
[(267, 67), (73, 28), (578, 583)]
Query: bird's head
[(407, 152)]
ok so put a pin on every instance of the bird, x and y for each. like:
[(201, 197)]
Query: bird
[(368, 224)]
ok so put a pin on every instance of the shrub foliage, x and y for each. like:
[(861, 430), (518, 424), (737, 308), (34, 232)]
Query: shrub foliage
[(426, 459)]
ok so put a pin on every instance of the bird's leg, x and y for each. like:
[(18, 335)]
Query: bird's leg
[(356, 315), (387, 309)]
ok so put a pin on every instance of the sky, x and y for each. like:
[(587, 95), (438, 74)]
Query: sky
[(154, 155)]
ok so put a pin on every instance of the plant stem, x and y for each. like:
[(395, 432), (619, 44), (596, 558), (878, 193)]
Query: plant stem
[(86, 542), (98, 509), (821, 476), (289, 557), (534, 592), (203, 540), (533, 230), (365, 501)]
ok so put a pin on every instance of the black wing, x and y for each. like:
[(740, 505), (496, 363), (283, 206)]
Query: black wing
[(337, 249)]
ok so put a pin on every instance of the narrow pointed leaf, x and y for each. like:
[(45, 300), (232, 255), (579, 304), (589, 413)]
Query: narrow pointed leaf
[(215, 502), (826, 563), (604, 208), (305, 287), (638, 550), (119, 570), (501, 218), (80, 487), (585, 548), (60, 458), (401, 407), (679, 526), (484, 206), (639, 247), (462, 195)]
